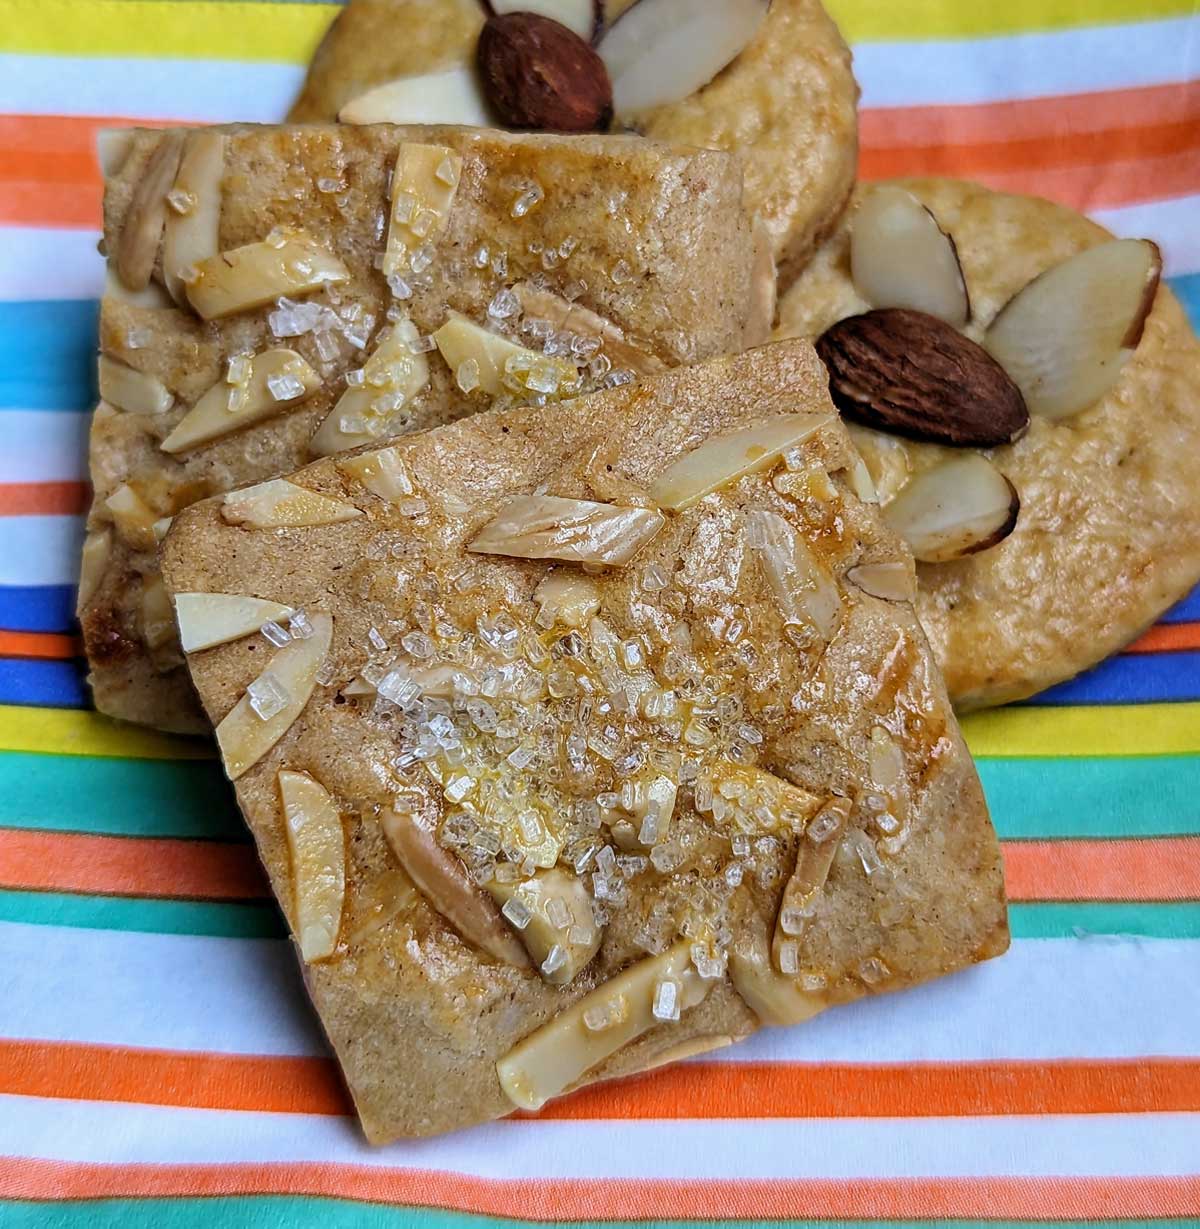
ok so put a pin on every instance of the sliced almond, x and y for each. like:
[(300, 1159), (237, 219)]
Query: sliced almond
[(618, 1011), (113, 146), (133, 517), (763, 288), (130, 390), (774, 804), (885, 460), (692, 1048), (142, 230), (279, 503), (157, 622), (393, 376), (570, 317), (910, 373), (273, 701), (663, 51), (271, 383), (288, 263), (382, 472), (774, 998), (571, 530), (497, 365), (424, 184), (152, 296), (814, 858), (901, 257), (97, 547), (192, 236), (443, 881), (582, 17), (956, 508), (161, 526), (1066, 336), (552, 910), (803, 590), (449, 96), (317, 844), (566, 597), (206, 619), (891, 580), (723, 459)]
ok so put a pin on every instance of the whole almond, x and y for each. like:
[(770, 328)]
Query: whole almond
[(914, 375), (538, 74)]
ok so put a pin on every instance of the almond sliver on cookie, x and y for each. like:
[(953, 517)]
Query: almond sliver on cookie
[(206, 619), (1066, 336), (317, 844)]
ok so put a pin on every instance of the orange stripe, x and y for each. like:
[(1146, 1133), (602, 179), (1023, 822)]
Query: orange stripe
[(1098, 149), (43, 498), (39, 644), (1167, 637), (76, 1071), (128, 866), (1069, 1199), (1158, 868)]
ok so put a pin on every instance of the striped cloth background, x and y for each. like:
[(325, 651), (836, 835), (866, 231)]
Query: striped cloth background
[(158, 1065)]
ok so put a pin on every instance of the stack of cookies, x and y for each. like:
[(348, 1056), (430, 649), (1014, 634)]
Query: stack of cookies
[(586, 661)]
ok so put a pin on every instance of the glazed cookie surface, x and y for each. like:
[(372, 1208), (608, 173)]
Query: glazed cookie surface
[(1108, 532), (786, 103)]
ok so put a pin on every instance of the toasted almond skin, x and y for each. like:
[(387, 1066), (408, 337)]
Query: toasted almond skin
[(911, 374), (539, 74), (1137, 325)]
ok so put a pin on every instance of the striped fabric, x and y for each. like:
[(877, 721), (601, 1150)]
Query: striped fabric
[(158, 1063)]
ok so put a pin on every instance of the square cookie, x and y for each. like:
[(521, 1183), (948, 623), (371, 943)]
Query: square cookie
[(606, 735), (280, 293)]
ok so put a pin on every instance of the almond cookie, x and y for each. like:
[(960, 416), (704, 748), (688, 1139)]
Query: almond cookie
[(1048, 477), (772, 83), (608, 735), (282, 293)]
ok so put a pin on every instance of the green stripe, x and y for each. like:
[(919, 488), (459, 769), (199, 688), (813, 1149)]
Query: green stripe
[(1093, 797), (235, 920), (1029, 798), (81, 793), (228, 920), (274, 1211)]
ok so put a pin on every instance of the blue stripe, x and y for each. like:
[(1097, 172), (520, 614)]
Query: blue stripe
[(1187, 288), (1139, 678), (47, 349), (42, 608), (52, 684), (1186, 611), (48, 354)]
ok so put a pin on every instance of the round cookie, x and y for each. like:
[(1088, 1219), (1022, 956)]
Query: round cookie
[(786, 104), (1108, 534)]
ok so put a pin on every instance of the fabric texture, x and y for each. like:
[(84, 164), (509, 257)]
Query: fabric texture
[(158, 1062)]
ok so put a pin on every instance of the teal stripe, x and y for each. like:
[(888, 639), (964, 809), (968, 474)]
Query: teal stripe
[(1029, 798), (237, 920), (1082, 919), (229, 920), (1154, 795), (276, 1211), (76, 793)]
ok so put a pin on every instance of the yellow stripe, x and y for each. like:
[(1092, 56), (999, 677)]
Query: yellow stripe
[(58, 731), (1110, 729), (288, 33)]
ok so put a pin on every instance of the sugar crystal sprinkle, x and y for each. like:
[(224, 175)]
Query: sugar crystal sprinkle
[(666, 1000), (517, 912), (277, 635), (267, 696)]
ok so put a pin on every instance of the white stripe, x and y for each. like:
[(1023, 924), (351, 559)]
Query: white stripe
[(205, 91), (1095, 1145), (39, 262), (40, 550), (43, 446), (1174, 225), (892, 74), (1095, 1000), (947, 72)]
